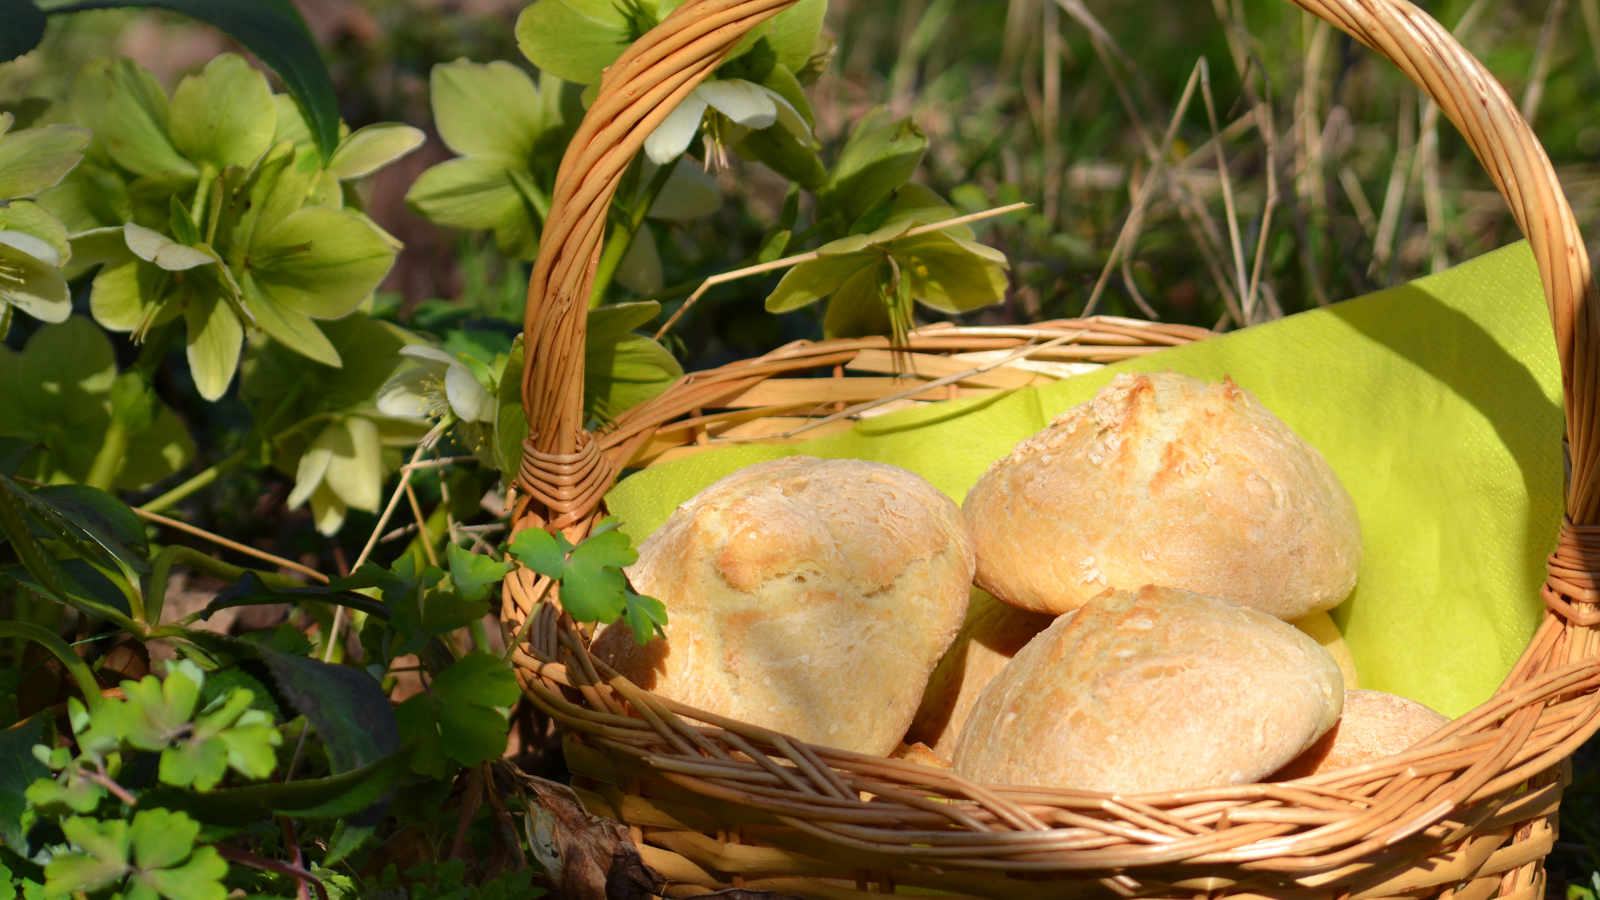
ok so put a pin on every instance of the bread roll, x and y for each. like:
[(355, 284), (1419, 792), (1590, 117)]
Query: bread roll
[(1164, 479), (991, 635), (1156, 691), (1322, 630), (809, 596), (1372, 726)]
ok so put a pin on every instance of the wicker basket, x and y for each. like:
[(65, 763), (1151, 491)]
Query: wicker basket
[(714, 803)]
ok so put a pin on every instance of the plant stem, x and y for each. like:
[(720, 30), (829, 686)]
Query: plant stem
[(199, 481), (216, 568), (107, 462), (623, 232)]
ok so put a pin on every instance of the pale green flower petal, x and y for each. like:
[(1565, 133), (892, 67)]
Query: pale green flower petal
[(412, 394), (313, 466), (468, 398), (744, 102), (673, 135), (327, 510)]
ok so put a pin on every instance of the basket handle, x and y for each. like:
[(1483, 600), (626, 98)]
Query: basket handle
[(563, 474)]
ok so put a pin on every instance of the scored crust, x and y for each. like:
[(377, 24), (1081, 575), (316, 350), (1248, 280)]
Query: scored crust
[(1164, 479), (1156, 691), (809, 596)]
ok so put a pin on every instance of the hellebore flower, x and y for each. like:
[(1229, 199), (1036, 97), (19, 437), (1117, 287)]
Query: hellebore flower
[(744, 103)]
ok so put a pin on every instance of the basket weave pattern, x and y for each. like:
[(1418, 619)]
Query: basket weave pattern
[(713, 803)]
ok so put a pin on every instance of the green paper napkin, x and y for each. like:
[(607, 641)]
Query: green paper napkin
[(1438, 403)]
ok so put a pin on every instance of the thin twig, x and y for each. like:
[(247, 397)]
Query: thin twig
[(107, 782), (245, 857), (432, 463), (231, 545), (422, 525), (1135, 221), (527, 621), (372, 541), (1020, 353), (788, 261)]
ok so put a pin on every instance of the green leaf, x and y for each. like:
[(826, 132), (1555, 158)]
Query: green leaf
[(37, 158), (97, 514), (880, 155), (479, 192), (858, 308), (198, 879), (294, 330), (349, 711), (275, 33), (133, 126), (63, 380), (491, 110), (215, 337), (21, 28), (592, 586), (456, 721), (626, 373), (369, 149), (223, 116), (249, 591), (344, 795), (104, 859), (537, 549), (640, 268), (511, 423), (473, 573), (811, 281), (228, 734), (795, 31), (952, 275), (575, 39), (157, 711), (647, 616), (318, 262), (18, 769)]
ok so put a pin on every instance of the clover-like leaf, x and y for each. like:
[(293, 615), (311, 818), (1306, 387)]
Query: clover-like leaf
[(228, 734), (458, 713), (647, 616), (473, 573), (592, 585), (101, 858), (158, 710), (537, 549)]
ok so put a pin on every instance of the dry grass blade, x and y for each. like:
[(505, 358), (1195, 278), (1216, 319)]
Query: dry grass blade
[(1432, 194), (1135, 221), (1358, 201), (1226, 183), (1540, 72), (1399, 181), (221, 541), (1591, 21)]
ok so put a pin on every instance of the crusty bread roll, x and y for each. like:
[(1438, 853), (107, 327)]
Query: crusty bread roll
[(1322, 630), (809, 596), (1164, 479), (1372, 726), (991, 635), (1156, 691)]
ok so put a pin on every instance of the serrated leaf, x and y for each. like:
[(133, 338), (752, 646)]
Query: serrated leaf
[(592, 585), (458, 714), (351, 794), (21, 29), (473, 573), (18, 769), (249, 591), (647, 616), (537, 549)]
